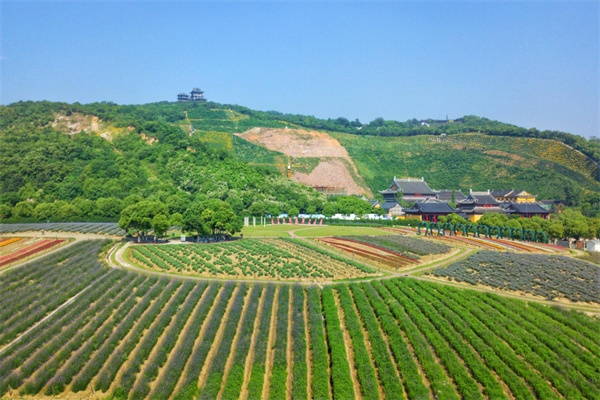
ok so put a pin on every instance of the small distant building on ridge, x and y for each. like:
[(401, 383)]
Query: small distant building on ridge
[(195, 95)]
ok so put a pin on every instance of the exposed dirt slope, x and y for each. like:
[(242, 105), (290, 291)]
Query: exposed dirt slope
[(335, 169)]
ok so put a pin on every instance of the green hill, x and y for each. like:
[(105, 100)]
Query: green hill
[(67, 155), (473, 161)]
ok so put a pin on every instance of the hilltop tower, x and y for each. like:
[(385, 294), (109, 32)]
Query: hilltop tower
[(197, 94)]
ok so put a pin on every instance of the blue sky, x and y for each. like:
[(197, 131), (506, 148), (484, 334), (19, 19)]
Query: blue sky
[(533, 64)]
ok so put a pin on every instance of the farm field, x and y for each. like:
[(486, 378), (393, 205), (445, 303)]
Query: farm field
[(369, 253), (552, 277), (19, 249), (106, 228), (283, 230), (130, 335), (281, 259)]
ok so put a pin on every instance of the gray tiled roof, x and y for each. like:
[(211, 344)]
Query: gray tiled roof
[(432, 208), (446, 195), (527, 208), (413, 186), (480, 199)]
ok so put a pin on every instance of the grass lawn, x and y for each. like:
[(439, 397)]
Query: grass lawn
[(310, 231)]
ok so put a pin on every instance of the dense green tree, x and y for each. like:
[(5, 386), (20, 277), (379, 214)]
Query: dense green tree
[(211, 217), (453, 219), (493, 219), (574, 223), (555, 229), (86, 206), (23, 209), (5, 211), (109, 207), (160, 224), (177, 203), (258, 209), (67, 211), (137, 218), (45, 211), (176, 220), (292, 211), (132, 199)]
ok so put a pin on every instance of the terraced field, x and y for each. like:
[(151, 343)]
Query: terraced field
[(135, 336)]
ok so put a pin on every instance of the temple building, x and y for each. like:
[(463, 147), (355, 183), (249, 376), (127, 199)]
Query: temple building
[(195, 95), (476, 204), (446, 195), (407, 189), (430, 204), (514, 196), (527, 210), (429, 210)]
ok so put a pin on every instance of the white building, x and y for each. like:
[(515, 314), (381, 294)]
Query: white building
[(593, 245)]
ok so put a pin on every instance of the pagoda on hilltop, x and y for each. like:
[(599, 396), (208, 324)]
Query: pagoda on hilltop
[(195, 95)]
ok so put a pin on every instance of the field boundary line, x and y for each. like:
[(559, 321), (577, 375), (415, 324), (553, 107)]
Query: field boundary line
[(231, 355), (199, 338), (289, 354), (308, 353), (217, 340), (250, 356), (270, 352), (369, 347), (348, 345)]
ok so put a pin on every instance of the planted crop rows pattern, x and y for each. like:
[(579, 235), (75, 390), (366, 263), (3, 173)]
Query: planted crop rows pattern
[(370, 252), (250, 258), (135, 336), (404, 245), (106, 228), (29, 250), (547, 276)]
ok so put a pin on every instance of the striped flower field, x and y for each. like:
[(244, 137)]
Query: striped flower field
[(133, 336)]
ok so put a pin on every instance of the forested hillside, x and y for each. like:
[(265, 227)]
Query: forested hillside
[(547, 168), (75, 161)]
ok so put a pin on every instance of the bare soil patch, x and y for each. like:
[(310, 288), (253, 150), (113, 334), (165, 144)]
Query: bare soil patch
[(296, 142), (333, 174), (336, 170)]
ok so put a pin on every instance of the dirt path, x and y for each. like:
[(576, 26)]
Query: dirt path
[(309, 366), (250, 356), (270, 351), (348, 345), (289, 350), (163, 370), (367, 341), (217, 341), (238, 330), (199, 338)]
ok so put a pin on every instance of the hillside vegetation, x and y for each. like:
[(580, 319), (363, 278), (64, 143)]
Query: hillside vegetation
[(474, 161), (91, 161)]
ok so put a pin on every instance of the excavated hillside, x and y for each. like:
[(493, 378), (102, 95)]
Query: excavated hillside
[(330, 168)]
